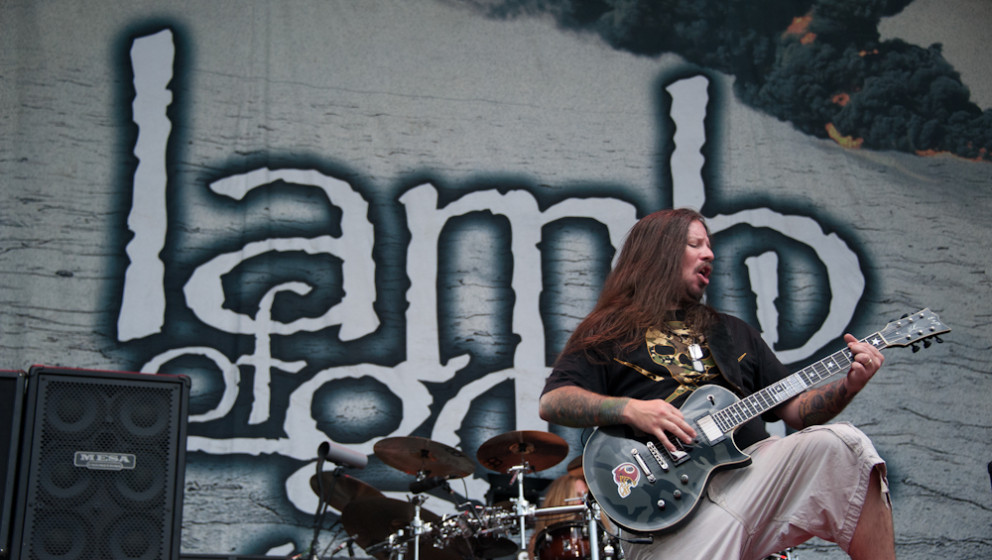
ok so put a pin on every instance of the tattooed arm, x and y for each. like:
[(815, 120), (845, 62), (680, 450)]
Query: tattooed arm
[(817, 406), (579, 408), (822, 404)]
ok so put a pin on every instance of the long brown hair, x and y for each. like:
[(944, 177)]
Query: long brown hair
[(561, 492), (644, 286)]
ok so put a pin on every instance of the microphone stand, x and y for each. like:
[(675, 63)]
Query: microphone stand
[(318, 516)]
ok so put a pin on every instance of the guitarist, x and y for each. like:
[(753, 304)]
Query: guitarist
[(650, 341)]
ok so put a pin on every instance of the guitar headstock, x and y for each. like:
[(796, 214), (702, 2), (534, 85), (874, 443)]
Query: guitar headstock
[(920, 326)]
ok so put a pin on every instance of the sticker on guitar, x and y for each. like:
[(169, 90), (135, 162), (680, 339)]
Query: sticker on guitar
[(626, 476)]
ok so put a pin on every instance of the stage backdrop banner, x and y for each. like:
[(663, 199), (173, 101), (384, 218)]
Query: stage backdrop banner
[(351, 221)]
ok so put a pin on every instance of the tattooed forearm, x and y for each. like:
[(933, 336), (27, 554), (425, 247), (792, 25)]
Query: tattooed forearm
[(823, 403), (610, 410), (579, 410)]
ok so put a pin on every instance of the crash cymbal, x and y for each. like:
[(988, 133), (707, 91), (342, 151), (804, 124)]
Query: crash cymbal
[(371, 521), (539, 450), (415, 455), (340, 490)]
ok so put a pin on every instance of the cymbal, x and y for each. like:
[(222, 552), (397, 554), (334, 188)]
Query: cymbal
[(415, 455), (342, 489), (371, 521), (539, 450)]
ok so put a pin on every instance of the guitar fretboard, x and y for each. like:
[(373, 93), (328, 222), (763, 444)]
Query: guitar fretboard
[(777, 393)]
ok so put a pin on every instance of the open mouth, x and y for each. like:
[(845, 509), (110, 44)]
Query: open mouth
[(704, 272)]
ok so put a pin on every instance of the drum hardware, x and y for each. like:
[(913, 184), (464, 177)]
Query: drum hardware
[(592, 518), (321, 511), (433, 464), (334, 489), (572, 543), (610, 547), (518, 453), (480, 529), (386, 528), (614, 539), (418, 526), (560, 510), (503, 487), (566, 540)]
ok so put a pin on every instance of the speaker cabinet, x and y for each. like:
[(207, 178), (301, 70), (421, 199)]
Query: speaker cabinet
[(102, 466), (11, 409)]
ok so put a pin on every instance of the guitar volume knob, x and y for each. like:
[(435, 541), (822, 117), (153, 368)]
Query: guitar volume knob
[(660, 504), (684, 479)]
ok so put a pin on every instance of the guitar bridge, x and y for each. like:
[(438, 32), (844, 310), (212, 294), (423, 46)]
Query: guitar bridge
[(644, 466), (657, 456)]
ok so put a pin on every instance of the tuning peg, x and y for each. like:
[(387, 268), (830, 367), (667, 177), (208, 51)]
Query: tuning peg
[(926, 343), (915, 347), (938, 339)]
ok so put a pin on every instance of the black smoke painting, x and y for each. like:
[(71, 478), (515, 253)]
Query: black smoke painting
[(819, 65)]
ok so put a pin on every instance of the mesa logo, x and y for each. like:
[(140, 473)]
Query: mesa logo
[(98, 461)]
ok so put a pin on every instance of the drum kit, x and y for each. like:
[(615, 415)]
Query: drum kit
[(392, 529)]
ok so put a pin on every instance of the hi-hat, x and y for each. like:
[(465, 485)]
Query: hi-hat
[(536, 449), (340, 490), (417, 455), (371, 521)]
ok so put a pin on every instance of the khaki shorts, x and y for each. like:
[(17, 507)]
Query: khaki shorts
[(809, 484)]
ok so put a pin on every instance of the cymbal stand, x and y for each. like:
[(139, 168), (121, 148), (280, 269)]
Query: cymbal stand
[(611, 544), (418, 525), (394, 546), (522, 509), (592, 514)]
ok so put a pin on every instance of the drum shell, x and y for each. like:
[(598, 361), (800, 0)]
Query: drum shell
[(567, 540)]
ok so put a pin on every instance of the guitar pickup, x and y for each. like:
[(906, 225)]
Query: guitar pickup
[(707, 424)]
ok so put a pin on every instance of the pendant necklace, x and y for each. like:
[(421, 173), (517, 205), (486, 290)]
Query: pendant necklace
[(696, 353)]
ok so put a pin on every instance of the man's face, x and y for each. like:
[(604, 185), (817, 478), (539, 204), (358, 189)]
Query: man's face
[(697, 261)]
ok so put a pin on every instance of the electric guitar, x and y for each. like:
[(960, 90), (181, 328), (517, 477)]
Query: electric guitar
[(643, 487)]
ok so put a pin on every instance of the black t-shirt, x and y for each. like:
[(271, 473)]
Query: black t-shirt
[(733, 356)]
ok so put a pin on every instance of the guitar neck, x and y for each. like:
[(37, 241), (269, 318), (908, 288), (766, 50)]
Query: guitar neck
[(757, 403)]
